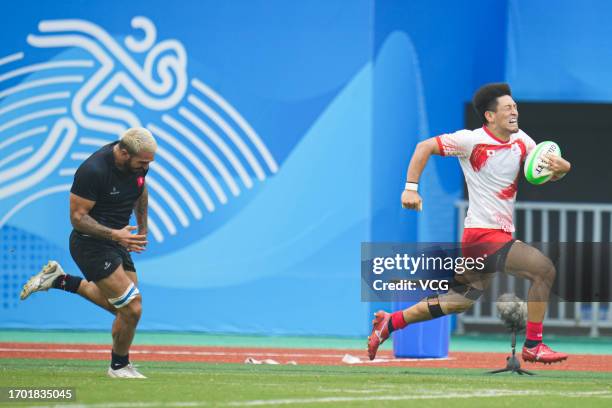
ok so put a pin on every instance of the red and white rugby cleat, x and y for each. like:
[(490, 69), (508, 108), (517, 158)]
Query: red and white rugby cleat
[(542, 354), (380, 332)]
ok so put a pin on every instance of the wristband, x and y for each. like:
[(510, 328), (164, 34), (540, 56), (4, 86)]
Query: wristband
[(411, 186)]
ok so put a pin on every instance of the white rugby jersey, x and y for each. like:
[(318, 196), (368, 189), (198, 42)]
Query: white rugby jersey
[(491, 168)]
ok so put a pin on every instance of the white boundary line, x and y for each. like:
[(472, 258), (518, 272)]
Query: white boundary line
[(419, 395), (245, 353)]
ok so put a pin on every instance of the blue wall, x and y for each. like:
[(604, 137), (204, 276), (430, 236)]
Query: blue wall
[(561, 53), (286, 148)]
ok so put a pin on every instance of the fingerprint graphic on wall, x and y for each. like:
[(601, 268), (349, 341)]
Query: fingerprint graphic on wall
[(54, 113)]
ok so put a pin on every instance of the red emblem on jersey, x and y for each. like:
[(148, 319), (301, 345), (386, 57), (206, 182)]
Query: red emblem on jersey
[(140, 181), (482, 152), (509, 192)]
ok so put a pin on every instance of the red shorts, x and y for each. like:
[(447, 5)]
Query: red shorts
[(477, 242)]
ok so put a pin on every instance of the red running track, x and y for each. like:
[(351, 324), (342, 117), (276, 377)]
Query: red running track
[(485, 361)]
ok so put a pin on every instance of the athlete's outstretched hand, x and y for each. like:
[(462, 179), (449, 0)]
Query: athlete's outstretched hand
[(133, 242), (412, 200)]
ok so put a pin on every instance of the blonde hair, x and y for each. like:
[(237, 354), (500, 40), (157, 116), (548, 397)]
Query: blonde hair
[(136, 140)]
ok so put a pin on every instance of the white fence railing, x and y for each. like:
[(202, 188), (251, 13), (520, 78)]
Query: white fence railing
[(550, 222)]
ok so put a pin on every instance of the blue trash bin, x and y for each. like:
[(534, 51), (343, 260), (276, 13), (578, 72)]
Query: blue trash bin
[(421, 340)]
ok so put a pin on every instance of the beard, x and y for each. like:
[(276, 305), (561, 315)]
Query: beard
[(128, 168)]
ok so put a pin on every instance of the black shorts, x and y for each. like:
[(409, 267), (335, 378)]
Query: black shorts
[(496, 262), (98, 258)]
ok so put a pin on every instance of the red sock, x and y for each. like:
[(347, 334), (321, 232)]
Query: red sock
[(397, 320), (534, 331)]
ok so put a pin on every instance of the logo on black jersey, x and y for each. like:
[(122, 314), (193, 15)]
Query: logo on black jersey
[(115, 191)]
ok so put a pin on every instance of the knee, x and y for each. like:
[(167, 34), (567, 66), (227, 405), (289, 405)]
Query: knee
[(547, 272), (459, 298), (135, 308), (448, 303), (132, 311)]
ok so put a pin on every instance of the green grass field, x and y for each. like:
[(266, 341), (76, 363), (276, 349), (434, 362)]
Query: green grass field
[(237, 385)]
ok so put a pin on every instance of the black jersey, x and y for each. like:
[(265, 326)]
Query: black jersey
[(114, 191)]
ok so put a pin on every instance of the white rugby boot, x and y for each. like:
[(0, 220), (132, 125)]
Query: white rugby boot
[(42, 280), (129, 371)]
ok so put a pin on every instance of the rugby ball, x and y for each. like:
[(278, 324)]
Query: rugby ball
[(535, 170)]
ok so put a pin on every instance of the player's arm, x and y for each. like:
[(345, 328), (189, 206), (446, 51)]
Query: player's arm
[(558, 165), (141, 211), (410, 196), (85, 224)]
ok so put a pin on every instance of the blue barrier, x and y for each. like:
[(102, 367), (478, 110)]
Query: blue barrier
[(422, 340)]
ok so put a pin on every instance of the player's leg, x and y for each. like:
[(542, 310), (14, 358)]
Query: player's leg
[(52, 276), (132, 275), (123, 294), (117, 287), (97, 259), (527, 262), (91, 292), (464, 291), (104, 263), (94, 258)]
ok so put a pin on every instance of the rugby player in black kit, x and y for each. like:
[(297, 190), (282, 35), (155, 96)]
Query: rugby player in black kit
[(107, 187)]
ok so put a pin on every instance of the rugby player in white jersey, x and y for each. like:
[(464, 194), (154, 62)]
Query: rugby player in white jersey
[(491, 158)]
